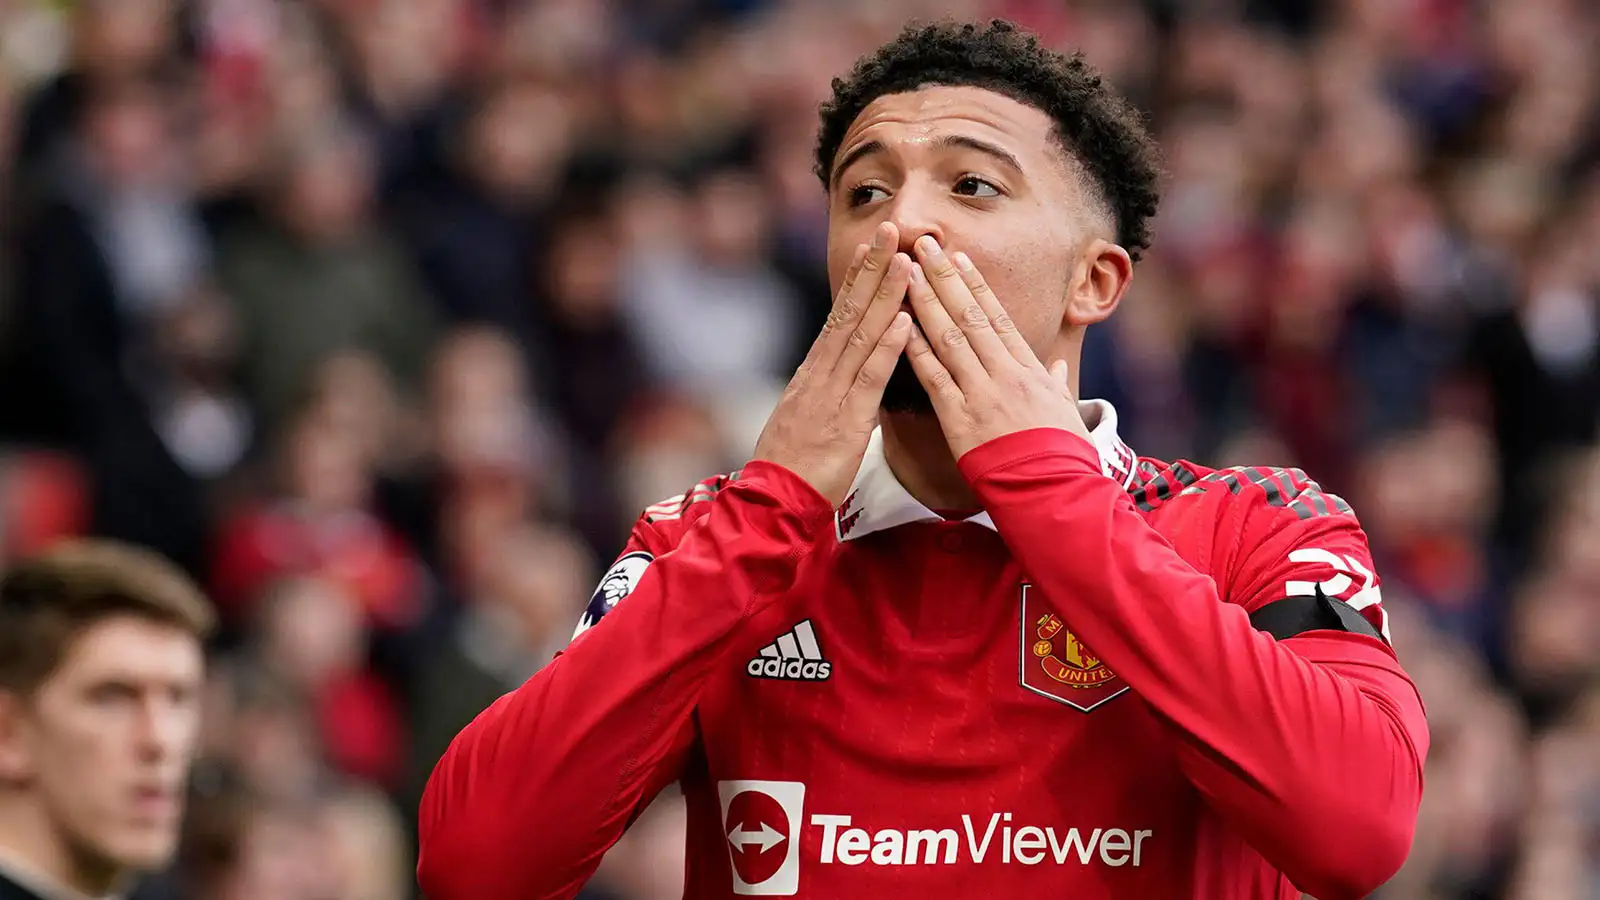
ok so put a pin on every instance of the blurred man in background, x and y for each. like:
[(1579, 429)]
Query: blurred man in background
[(101, 670)]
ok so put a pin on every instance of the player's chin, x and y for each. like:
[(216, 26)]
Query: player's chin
[(904, 393)]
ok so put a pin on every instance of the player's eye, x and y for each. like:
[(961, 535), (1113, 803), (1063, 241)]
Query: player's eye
[(973, 186), (863, 194)]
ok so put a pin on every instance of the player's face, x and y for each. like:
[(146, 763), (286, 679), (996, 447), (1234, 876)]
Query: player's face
[(103, 746), (982, 174)]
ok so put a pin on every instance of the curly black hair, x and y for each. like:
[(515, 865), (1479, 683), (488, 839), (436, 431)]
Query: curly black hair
[(1102, 131)]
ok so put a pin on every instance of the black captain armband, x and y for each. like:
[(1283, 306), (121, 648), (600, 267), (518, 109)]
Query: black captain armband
[(1295, 615)]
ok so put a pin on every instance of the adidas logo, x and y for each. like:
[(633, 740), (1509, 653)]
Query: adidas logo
[(794, 656)]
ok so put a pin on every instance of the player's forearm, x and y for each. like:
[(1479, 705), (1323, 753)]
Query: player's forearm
[(532, 793), (1314, 759)]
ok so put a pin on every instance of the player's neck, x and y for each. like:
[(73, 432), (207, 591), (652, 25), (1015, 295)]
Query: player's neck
[(34, 852), (915, 448)]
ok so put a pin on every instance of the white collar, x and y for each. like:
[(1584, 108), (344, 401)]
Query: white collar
[(877, 501)]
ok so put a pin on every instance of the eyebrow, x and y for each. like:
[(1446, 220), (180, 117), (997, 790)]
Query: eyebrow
[(946, 142)]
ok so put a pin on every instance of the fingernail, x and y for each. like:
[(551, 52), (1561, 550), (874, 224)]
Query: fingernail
[(928, 246), (879, 238), (917, 275), (963, 262)]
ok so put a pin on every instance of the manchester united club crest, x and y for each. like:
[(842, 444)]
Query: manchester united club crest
[(1056, 664)]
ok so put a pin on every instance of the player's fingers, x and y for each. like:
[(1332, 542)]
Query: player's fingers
[(1062, 376), (950, 343), (855, 269), (850, 276), (853, 298), (971, 318), (875, 321), (866, 390), (999, 320), (932, 374)]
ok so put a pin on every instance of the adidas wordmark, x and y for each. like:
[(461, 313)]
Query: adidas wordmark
[(793, 656)]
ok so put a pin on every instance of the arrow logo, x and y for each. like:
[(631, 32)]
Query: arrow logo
[(766, 837)]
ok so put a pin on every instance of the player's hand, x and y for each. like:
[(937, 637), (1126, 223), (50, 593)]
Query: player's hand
[(984, 379), (820, 427)]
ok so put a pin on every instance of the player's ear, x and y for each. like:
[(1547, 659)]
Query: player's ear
[(16, 764), (1098, 283)]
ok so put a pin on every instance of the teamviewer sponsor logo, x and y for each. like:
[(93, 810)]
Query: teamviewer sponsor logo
[(792, 656), (995, 838), (762, 823)]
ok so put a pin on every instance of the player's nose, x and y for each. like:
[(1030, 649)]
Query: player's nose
[(912, 212)]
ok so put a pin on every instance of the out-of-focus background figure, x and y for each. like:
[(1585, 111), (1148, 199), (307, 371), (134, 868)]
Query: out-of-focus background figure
[(101, 669), (384, 318)]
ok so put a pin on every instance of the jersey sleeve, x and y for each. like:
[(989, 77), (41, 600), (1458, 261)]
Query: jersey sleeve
[(1310, 748), (533, 792), (1295, 540)]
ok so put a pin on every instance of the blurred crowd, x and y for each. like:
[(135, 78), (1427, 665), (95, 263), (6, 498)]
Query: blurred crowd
[(385, 318)]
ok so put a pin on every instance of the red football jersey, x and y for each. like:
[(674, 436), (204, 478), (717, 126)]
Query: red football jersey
[(1063, 694)]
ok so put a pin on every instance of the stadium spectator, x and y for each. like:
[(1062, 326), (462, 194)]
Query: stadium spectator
[(101, 667)]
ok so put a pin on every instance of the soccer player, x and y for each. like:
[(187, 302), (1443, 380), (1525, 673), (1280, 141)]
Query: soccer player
[(946, 635), (100, 677)]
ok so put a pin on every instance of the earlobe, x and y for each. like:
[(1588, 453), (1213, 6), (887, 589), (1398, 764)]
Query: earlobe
[(14, 759), (1102, 278)]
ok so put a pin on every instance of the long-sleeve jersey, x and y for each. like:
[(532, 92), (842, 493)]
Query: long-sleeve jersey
[(1065, 693)]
